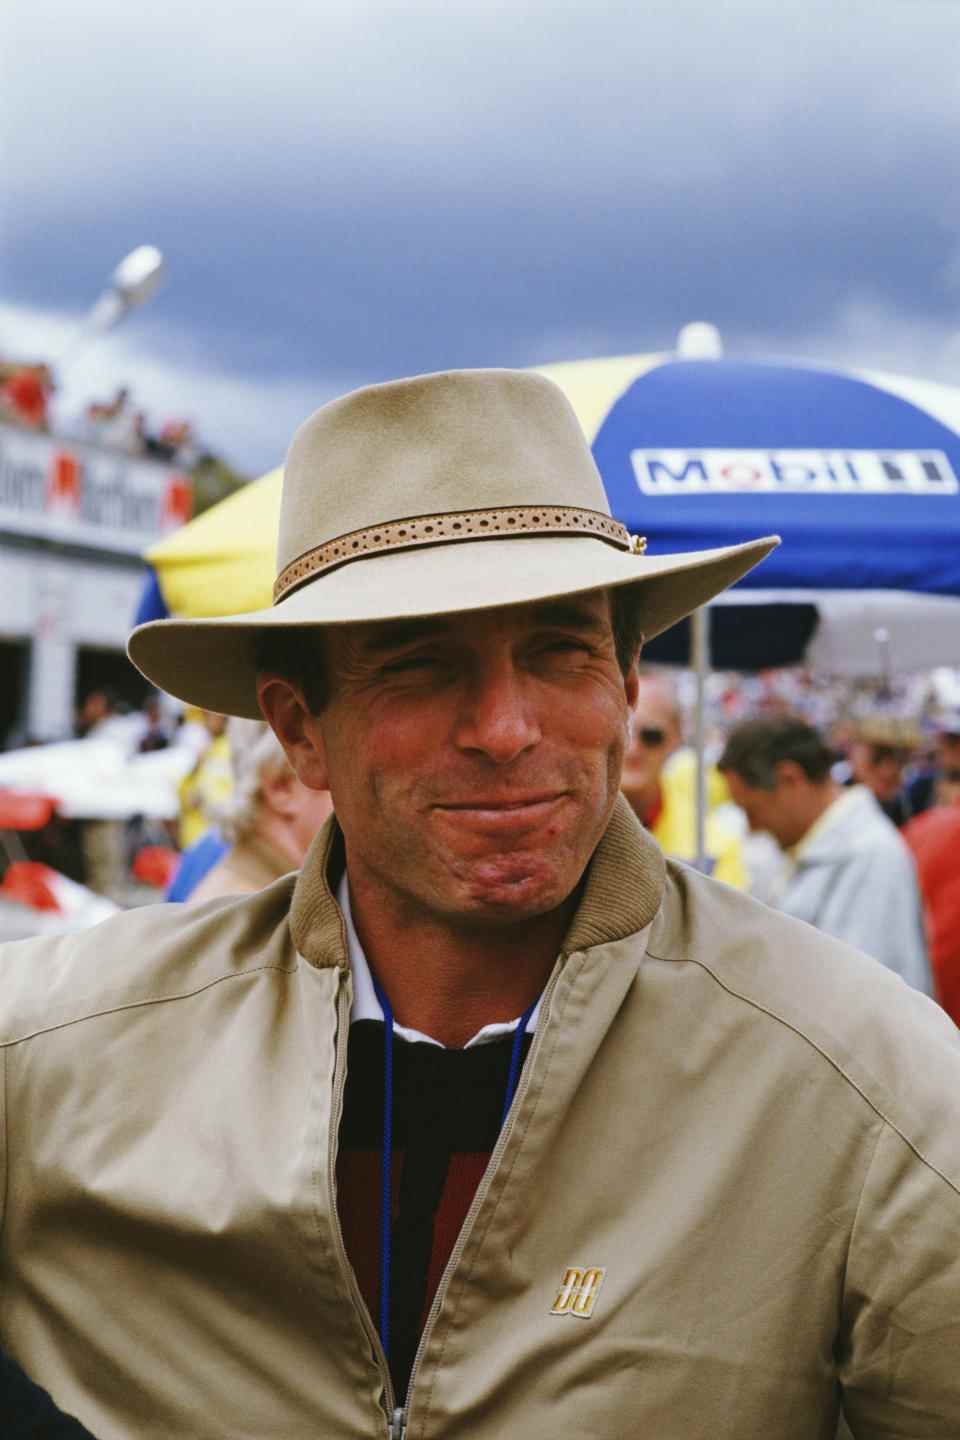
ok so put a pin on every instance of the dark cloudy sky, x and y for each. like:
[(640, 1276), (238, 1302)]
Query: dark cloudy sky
[(348, 190)]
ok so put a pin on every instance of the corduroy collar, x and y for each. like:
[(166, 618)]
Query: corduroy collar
[(621, 895)]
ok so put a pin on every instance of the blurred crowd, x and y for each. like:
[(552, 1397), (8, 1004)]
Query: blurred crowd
[(27, 394), (26, 399), (849, 821)]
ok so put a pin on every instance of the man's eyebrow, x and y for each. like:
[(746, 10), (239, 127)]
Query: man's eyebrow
[(567, 612), (396, 633)]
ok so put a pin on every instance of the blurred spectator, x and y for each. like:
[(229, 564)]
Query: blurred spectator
[(115, 425), (846, 868), (270, 818), (934, 839), (660, 783), (940, 783), (207, 787), (176, 443), (25, 395), (195, 862), (880, 748), (96, 709), (158, 729)]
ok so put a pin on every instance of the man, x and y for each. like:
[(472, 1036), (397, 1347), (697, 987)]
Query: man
[(269, 820), (489, 1124), (662, 794), (847, 870), (880, 749), (940, 785), (934, 841)]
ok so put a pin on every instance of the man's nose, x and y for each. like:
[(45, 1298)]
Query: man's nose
[(497, 715)]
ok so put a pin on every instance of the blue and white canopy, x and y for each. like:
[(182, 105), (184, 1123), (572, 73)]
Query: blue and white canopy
[(858, 472)]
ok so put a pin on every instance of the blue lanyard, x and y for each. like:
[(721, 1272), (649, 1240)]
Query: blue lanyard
[(513, 1076)]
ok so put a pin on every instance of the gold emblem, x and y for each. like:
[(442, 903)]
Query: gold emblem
[(579, 1291), (638, 544)]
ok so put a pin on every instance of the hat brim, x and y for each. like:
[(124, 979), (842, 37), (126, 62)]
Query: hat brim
[(212, 662)]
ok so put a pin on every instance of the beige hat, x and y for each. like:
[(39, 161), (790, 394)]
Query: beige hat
[(445, 493)]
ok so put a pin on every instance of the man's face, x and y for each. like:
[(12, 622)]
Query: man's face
[(879, 767), (948, 751), (771, 810), (654, 736), (474, 760), (948, 785)]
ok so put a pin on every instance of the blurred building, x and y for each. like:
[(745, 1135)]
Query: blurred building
[(74, 521)]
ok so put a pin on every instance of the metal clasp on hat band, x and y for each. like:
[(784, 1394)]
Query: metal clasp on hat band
[(448, 528)]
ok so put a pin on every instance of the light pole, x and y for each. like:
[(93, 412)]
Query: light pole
[(133, 281)]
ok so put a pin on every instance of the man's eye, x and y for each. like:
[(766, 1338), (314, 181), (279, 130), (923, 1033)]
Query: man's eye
[(564, 646), (410, 664)]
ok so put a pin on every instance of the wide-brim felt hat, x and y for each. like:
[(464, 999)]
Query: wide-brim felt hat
[(441, 494)]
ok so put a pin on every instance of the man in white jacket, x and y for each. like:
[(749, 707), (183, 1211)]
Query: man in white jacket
[(846, 869)]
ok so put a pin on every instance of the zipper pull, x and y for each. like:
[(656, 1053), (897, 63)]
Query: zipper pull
[(398, 1424)]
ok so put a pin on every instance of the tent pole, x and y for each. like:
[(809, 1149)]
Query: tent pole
[(700, 658)]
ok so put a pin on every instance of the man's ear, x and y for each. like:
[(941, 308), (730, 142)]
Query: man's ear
[(299, 732), (790, 773)]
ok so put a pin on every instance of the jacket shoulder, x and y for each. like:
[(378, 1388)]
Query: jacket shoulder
[(893, 1045), (157, 952)]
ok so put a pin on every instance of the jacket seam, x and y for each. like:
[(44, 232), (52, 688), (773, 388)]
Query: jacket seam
[(856, 1214), (137, 1004), (835, 1064)]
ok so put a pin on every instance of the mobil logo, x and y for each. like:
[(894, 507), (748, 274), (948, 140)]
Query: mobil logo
[(803, 471)]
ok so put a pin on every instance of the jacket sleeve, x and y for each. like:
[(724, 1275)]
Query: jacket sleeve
[(901, 1311), (875, 905)]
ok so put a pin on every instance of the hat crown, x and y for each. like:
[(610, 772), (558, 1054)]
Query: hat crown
[(460, 440)]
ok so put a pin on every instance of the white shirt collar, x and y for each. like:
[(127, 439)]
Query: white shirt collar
[(366, 1006)]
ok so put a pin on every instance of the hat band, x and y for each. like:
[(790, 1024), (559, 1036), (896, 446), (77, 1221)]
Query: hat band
[(447, 528)]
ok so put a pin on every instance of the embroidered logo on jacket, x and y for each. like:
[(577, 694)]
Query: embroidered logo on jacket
[(579, 1291)]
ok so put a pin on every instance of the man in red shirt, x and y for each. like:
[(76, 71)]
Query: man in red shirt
[(934, 838)]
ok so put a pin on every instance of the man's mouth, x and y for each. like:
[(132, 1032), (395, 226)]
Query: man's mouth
[(501, 803), (502, 814)]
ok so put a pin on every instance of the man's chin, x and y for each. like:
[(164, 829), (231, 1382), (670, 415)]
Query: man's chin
[(510, 889)]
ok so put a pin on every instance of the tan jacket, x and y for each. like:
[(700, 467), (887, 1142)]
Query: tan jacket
[(748, 1132)]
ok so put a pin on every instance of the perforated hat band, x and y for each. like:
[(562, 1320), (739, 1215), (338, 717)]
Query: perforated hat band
[(449, 528)]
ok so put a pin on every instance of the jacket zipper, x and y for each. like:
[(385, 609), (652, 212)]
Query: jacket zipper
[(396, 1415), (393, 1414), (398, 1425), (400, 1417)]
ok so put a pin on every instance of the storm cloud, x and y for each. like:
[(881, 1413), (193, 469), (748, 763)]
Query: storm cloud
[(354, 191)]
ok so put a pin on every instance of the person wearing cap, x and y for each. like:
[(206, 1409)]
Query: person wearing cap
[(940, 785), (880, 749), (491, 1122)]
